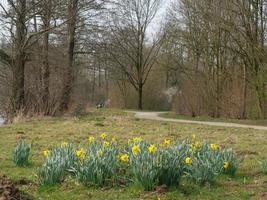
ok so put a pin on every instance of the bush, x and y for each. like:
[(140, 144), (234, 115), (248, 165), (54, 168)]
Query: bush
[(21, 153)]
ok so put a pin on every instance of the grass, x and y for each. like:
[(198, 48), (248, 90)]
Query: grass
[(173, 115), (250, 144)]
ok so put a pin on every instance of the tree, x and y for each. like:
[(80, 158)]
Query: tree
[(127, 43)]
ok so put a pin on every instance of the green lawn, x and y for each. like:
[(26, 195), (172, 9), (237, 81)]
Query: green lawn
[(173, 115), (250, 144)]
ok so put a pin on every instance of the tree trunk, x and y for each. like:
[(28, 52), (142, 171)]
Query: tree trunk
[(18, 97), (140, 97), (244, 94), (18, 82), (69, 78), (46, 68)]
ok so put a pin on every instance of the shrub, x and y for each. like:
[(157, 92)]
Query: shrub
[(98, 163), (21, 153), (58, 162)]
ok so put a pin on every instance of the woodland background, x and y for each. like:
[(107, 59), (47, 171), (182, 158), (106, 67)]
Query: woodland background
[(208, 57)]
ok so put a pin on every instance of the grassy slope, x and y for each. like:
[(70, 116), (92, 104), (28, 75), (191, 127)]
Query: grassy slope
[(207, 118), (250, 144)]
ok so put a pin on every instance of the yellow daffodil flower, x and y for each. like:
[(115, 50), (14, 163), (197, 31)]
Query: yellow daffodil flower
[(167, 142), (91, 139), (46, 153), (214, 147), (226, 165), (106, 144), (65, 144), (152, 148), (103, 135), (124, 158), (137, 139), (136, 149), (188, 161), (81, 153)]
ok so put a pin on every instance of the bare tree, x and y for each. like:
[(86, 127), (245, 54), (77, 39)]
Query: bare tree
[(128, 46)]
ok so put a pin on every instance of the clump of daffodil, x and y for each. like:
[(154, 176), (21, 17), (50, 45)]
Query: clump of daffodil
[(81, 153), (226, 165), (137, 139), (136, 149), (103, 136), (188, 160), (124, 158), (152, 148), (46, 153), (214, 147), (106, 144), (167, 142), (91, 139)]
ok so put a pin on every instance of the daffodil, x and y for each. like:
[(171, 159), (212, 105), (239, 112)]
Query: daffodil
[(194, 137), (65, 144), (113, 139), (188, 161), (124, 158), (167, 142), (91, 139), (214, 147), (226, 165), (136, 149), (195, 146), (81, 153), (106, 144), (152, 148), (137, 139), (46, 153), (103, 135)]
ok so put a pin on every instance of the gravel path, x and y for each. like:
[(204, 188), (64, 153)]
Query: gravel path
[(155, 116)]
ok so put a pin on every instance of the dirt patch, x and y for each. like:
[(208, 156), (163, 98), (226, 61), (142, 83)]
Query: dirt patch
[(9, 191)]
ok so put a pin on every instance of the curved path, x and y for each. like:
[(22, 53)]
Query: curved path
[(155, 116)]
